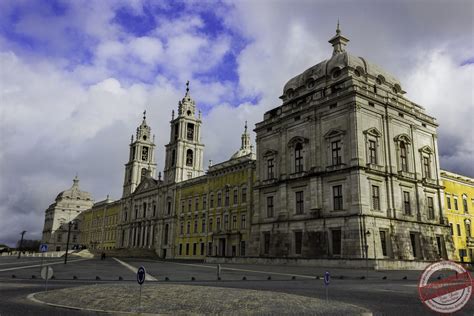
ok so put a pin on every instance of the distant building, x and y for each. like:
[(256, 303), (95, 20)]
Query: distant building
[(98, 225), (459, 209), (66, 208)]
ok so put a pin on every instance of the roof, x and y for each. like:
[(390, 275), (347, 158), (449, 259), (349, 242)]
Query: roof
[(74, 192)]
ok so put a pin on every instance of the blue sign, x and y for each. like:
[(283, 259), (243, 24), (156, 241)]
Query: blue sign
[(43, 247), (327, 278), (141, 273)]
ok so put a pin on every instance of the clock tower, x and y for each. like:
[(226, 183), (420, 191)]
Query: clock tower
[(184, 152), (141, 159)]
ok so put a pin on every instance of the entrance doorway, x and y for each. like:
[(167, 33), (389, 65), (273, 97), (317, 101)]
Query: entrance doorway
[(222, 251)]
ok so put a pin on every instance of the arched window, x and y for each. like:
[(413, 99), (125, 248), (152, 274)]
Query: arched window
[(403, 157), (143, 174), (298, 157), (464, 203), (189, 157)]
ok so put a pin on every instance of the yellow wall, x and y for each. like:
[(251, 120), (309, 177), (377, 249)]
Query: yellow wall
[(99, 226), (458, 187)]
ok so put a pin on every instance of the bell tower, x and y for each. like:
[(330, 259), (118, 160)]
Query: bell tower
[(141, 158), (184, 152)]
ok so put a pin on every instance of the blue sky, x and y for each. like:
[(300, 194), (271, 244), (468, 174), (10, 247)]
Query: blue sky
[(75, 77)]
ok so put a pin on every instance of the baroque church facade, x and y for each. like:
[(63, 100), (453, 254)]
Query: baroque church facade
[(345, 168)]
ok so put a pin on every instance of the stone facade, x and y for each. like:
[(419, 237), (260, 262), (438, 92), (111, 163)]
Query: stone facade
[(67, 207), (348, 168)]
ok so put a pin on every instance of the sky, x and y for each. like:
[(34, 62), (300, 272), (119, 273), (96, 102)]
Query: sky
[(75, 77)]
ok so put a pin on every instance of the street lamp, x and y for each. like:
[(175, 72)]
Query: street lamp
[(67, 243), (21, 243)]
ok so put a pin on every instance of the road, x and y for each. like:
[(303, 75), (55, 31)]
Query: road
[(383, 292)]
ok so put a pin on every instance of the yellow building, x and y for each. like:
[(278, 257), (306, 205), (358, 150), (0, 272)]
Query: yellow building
[(99, 225), (459, 209), (214, 210)]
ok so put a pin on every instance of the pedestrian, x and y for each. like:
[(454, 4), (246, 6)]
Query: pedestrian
[(102, 257)]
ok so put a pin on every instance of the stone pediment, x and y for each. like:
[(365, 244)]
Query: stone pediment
[(146, 184)]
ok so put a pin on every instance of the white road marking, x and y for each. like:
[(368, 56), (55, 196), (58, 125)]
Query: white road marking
[(148, 277), (39, 265), (17, 262), (245, 270)]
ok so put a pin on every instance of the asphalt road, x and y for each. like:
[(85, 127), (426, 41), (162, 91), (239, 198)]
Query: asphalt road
[(384, 293)]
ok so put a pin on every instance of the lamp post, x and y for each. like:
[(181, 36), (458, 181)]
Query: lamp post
[(67, 243), (21, 243)]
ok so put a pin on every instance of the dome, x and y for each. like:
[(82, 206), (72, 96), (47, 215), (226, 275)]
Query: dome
[(74, 193), (339, 60), (246, 148)]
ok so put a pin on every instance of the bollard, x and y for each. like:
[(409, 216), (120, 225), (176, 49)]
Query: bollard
[(405, 277), (341, 277), (218, 272), (74, 277), (293, 278), (120, 278), (97, 278), (244, 278), (269, 277), (193, 279), (384, 278), (167, 279)]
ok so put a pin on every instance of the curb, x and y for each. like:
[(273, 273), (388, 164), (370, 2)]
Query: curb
[(32, 298)]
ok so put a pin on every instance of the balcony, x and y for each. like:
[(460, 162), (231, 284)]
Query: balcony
[(470, 242)]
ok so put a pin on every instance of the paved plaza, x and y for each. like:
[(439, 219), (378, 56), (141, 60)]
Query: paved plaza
[(193, 288)]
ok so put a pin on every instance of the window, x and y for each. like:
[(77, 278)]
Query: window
[(299, 157), (336, 242), (210, 224), (270, 169), (181, 228), (406, 202), (182, 206), (189, 157), (145, 153), (236, 194), (194, 249), (180, 249), (125, 216), (204, 202), (144, 209), (468, 229), (243, 223), (190, 131), (403, 157), (426, 167), (448, 199), (197, 205), (375, 198), (203, 225), (464, 204), (202, 249), (372, 152), (336, 153), (383, 242), (218, 223), (173, 159), (456, 203), (234, 221), (227, 193), (451, 228), (188, 227), (166, 234), (211, 200), (195, 226), (226, 221), (337, 197), (269, 206), (136, 212), (413, 240), (219, 199), (299, 202), (266, 243), (431, 213), (60, 236), (190, 205), (244, 195), (242, 248), (459, 229), (176, 131), (298, 242)]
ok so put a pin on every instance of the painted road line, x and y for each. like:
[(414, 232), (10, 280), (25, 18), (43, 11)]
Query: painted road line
[(246, 270), (39, 265), (148, 277), (15, 263)]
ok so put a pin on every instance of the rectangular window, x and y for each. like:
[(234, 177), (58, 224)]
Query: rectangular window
[(218, 223), (226, 221), (195, 226), (448, 199), (227, 197), (189, 205), (197, 205), (337, 197), (336, 153), (383, 242), (269, 206), (243, 223), (236, 196), (270, 169), (459, 229), (431, 213), (169, 208), (426, 167), (219, 199), (413, 244), (203, 225), (202, 249), (209, 249), (375, 198), (187, 249), (372, 152), (406, 202), (182, 206), (299, 202), (242, 248), (464, 205), (194, 249), (211, 202), (211, 224), (180, 249), (244, 195), (234, 221), (181, 228), (451, 228), (468, 230), (336, 242), (266, 243), (190, 131), (204, 202), (298, 242), (456, 203), (299, 158), (403, 157)]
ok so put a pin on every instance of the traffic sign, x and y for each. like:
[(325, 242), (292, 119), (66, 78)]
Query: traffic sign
[(43, 247), (47, 273), (141, 273), (327, 278)]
